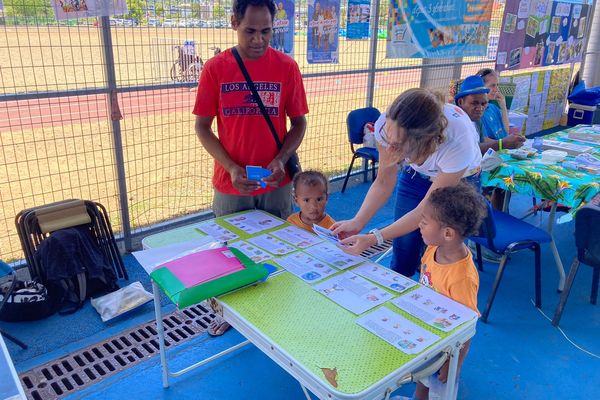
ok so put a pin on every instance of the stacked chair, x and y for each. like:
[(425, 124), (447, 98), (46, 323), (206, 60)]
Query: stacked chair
[(34, 225)]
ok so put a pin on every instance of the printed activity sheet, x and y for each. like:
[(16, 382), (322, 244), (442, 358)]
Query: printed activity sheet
[(401, 333), (434, 309), (353, 292), (335, 256), (296, 236), (384, 277), (272, 244), (306, 267), (326, 234), (215, 230), (254, 222), (254, 253)]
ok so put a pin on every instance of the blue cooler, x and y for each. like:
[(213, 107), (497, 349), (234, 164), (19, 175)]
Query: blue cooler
[(580, 114)]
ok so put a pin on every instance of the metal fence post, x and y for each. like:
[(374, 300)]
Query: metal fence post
[(373, 54), (115, 116)]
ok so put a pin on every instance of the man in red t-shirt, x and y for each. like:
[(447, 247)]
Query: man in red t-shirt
[(244, 135)]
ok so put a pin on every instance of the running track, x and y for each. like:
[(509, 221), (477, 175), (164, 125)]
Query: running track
[(28, 114)]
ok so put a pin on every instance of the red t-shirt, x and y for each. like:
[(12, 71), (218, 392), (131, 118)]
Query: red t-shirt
[(242, 129)]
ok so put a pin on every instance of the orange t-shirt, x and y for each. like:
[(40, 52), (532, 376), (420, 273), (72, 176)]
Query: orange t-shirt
[(458, 280), (243, 130), (326, 222)]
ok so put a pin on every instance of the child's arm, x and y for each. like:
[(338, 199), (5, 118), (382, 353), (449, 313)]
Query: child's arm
[(443, 377)]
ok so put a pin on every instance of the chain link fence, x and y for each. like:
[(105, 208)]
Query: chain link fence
[(65, 85)]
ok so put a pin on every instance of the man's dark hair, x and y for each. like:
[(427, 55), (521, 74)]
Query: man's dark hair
[(239, 7), (459, 207)]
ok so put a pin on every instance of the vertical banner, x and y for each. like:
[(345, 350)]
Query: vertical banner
[(438, 28), (323, 31), (359, 16), (72, 9), (283, 27)]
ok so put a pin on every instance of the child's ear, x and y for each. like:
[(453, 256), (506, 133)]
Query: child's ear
[(449, 233)]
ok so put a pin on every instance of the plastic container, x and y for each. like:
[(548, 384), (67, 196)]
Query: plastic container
[(580, 114), (553, 156)]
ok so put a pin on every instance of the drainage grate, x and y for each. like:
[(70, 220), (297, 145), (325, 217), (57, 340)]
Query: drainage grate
[(88, 366), (376, 249)]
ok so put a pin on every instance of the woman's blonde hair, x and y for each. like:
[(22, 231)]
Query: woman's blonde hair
[(420, 113)]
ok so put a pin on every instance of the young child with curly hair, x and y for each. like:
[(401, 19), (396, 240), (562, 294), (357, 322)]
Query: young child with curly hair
[(311, 191), (451, 214)]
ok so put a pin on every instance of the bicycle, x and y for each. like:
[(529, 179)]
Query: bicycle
[(187, 67)]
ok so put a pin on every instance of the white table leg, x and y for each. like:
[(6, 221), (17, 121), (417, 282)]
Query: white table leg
[(161, 335), (557, 260), (451, 382)]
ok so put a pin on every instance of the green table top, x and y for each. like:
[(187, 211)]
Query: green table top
[(315, 331)]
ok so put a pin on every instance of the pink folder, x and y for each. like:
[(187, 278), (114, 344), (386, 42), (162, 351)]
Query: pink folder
[(204, 266)]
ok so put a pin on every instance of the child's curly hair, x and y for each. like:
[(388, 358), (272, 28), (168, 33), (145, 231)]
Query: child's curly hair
[(310, 178), (460, 207)]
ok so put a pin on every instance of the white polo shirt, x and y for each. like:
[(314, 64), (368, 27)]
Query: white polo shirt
[(460, 150)]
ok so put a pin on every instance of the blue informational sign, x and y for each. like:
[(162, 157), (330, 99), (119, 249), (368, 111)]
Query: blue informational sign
[(359, 16), (438, 28), (283, 27), (323, 31)]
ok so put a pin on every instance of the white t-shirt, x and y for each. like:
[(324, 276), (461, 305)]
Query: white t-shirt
[(460, 150)]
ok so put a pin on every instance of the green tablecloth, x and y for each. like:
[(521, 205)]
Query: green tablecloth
[(570, 187)]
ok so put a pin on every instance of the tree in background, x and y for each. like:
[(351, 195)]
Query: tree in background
[(136, 10)]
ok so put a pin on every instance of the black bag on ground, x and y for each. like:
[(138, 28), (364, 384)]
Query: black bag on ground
[(75, 268), (25, 301)]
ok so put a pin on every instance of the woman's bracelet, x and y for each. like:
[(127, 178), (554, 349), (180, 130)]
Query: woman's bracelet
[(499, 144)]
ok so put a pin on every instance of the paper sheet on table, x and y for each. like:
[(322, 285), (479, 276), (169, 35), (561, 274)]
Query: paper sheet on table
[(398, 331), (384, 277), (215, 230), (297, 236), (254, 253), (254, 221), (334, 255), (271, 244), (434, 309), (353, 292), (306, 267), (151, 258)]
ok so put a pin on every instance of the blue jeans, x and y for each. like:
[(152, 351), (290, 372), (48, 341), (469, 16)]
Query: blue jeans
[(411, 188)]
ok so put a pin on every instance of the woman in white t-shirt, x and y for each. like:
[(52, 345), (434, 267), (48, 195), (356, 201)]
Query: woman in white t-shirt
[(439, 146)]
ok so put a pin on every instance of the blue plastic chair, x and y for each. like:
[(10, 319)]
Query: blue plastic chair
[(504, 234), (587, 232), (356, 122), (6, 270)]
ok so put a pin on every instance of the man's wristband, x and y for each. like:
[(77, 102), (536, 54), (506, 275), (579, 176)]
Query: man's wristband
[(378, 236), (500, 144)]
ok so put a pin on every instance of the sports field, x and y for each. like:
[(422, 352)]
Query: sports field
[(59, 148)]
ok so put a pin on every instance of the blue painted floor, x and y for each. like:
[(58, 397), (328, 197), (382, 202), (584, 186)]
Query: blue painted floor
[(516, 355)]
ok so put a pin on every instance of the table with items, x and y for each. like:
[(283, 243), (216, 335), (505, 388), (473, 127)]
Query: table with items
[(343, 326), (565, 170)]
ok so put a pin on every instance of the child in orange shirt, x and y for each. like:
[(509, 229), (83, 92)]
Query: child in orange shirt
[(451, 214), (311, 191)]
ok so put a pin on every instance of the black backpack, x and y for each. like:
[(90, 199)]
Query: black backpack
[(75, 268)]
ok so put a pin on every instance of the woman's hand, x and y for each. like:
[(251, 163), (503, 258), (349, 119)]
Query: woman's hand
[(499, 97), (358, 243), (344, 229)]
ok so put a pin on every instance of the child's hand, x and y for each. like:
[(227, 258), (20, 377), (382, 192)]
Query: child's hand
[(358, 243)]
